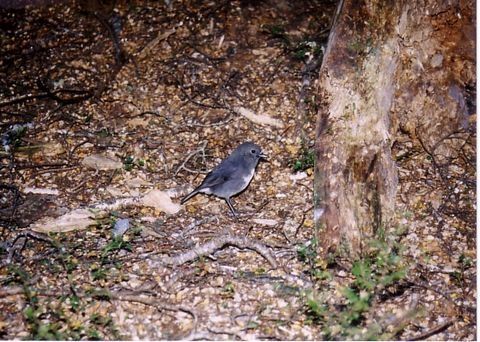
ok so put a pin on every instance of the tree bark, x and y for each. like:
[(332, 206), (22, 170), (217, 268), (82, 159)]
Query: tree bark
[(389, 66)]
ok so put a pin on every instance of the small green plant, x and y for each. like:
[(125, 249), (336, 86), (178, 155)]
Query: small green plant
[(381, 267), (228, 290), (99, 273), (116, 244), (308, 252), (458, 276), (304, 161), (278, 32), (130, 162), (47, 319), (41, 330), (104, 133), (74, 302), (34, 312), (94, 335), (320, 274), (100, 320), (13, 138), (105, 323), (71, 263), (306, 48), (465, 261)]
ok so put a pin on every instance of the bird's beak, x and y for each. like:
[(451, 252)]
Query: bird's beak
[(263, 156)]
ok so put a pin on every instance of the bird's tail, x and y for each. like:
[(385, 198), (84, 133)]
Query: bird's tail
[(190, 195)]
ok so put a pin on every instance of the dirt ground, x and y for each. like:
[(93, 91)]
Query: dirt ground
[(166, 90)]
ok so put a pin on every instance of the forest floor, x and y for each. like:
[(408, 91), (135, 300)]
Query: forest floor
[(119, 112)]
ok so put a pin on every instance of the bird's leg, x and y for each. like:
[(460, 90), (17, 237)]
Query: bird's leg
[(231, 207)]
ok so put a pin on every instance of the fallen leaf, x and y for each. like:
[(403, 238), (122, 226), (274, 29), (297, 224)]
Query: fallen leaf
[(136, 182), (100, 162), (292, 149), (75, 220), (115, 191), (138, 122), (258, 118), (298, 176), (43, 191), (266, 222), (160, 200)]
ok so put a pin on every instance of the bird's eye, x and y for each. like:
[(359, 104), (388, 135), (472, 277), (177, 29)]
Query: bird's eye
[(253, 151)]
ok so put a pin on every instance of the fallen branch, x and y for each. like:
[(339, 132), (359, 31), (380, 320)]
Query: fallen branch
[(22, 98), (237, 335), (75, 95), (218, 243), (153, 45), (431, 332), (21, 239)]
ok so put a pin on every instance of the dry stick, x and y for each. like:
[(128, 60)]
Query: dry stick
[(23, 98), (224, 332), (431, 332), (152, 45), (217, 244), (155, 303), (203, 144), (64, 169), (20, 241)]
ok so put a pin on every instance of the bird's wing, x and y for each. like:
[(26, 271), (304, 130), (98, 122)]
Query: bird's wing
[(215, 177), (221, 174)]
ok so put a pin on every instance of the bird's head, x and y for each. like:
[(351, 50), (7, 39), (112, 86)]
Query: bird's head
[(251, 151)]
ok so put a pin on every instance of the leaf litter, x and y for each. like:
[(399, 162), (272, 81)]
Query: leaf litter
[(162, 100)]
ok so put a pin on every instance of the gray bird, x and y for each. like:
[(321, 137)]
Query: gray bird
[(232, 175)]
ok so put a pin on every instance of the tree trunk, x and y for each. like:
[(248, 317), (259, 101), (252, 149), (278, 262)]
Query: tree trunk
[(389, 66)]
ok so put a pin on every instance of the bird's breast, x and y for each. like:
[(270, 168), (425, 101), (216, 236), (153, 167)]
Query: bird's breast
[(249, 177)]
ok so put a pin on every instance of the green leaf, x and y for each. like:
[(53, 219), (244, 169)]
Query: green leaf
[(30, 313), (350, 294), (74, 302), (317, 309), (362, 270), (115, 244)]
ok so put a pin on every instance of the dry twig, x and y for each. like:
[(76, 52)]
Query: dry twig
[(431, 332), (152, 302), (201, 149)]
